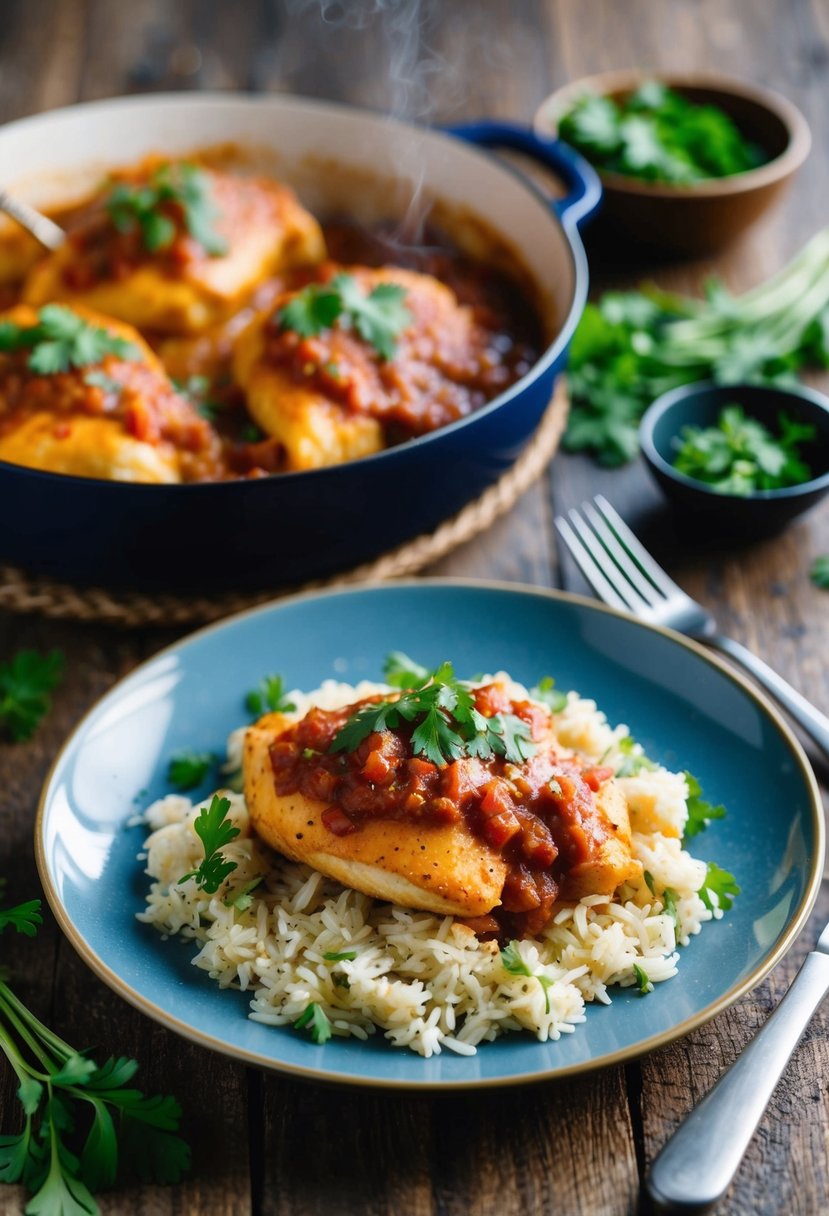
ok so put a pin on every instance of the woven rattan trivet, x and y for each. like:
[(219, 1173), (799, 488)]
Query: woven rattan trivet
[(21, 592)]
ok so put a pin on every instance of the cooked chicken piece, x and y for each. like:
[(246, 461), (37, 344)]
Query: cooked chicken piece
[(119, 418), (332, 396), (181, 287), (440, 868), (611, 860)]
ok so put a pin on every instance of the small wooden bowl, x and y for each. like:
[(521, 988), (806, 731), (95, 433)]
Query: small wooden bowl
[(704, 217)]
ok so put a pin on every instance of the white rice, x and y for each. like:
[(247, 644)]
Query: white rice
[(426, 981)]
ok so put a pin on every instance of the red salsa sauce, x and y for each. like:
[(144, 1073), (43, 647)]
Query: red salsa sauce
[(541, 815)]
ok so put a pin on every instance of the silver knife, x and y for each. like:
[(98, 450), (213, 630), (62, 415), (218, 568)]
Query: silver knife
[(697, 1164)]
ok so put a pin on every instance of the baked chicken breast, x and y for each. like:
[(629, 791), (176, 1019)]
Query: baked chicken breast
[(84, 395), (493, 842), (174, 248)]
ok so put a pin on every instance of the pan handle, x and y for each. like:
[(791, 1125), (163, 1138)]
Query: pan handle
[(584, 190)]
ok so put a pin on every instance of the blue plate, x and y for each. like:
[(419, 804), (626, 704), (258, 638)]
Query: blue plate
[(682, 704)]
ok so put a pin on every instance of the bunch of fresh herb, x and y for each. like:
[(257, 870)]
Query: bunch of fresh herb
[(442, 710), (657, 134), (738, 455), (379, 316), (819, 572), (85, 1126), (26, 680), (631, 347), (145, 208), (61, 339)]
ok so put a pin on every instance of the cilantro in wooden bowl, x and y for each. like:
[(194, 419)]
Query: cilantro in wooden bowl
[(687, 161), (739, 459)]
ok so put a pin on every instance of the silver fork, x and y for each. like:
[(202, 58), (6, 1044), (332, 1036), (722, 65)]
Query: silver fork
[(623, 574), (697, 1164)]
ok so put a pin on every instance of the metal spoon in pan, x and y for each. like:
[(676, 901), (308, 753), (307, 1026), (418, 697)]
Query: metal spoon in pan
[(40, 226)]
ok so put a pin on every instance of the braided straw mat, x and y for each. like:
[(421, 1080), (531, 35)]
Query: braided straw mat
[(21, 592)]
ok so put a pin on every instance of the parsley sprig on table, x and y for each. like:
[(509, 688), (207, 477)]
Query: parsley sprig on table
[(26, 680), (630, 348), (658, 135), (215, 831), (738, 455), (62, 340), (145, 208), (819, 572), (442, 711), (379, 316), (85, 1125)]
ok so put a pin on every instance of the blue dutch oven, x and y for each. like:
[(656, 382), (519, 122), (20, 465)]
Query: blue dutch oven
[(292, 527)]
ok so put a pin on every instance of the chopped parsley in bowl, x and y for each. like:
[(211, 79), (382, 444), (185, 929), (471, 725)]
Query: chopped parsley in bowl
[(742, 469), (658, 134)]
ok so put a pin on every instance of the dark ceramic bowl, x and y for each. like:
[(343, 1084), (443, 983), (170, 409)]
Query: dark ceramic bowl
[(708, 215), (759, 514)]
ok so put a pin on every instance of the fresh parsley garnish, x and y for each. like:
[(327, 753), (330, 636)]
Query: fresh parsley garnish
[(643, 983), (657, 134), (76, 1112), (26, 680), (61, 340), (198, 390), (178, 187), (669, 898), (738, 455), (512, 962), (379, 316), (720, 883), (402, 672), (446, 723), (819, 572), (546, 692), (243, 898), (187, 768), (316, 1021), (649, 883), (633, 763), (215, 831), (269, 694), (629, 348), (107, 384), (341, 956), (700, 812)]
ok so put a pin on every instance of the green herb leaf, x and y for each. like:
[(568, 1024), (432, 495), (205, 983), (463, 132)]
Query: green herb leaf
[(181, 188), (402, 672), (269, 695), (215, 831), (741, 456), (643, 983), (342, 956), (700, 812), (446, 723), (512, 962), (546, 692), (243, 898), (188, 769), (669, 898), (633, 762), (24, 918), (26, 680), (719, 883), (62, 339), (379, 316), (819, 572), (315, 1019)]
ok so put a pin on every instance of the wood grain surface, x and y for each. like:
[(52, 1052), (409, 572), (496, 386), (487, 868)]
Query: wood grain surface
[(267, 1145)]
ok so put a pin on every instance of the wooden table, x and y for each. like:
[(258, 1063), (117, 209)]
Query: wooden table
[(268, 1145)]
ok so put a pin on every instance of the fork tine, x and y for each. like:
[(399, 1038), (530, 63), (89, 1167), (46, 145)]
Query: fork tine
[(611, 572), (588, 567), (651, 568), (639, 581)]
